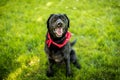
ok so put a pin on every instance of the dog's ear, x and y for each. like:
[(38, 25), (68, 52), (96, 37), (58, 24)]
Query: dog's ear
[(67, 19), (49, 19)]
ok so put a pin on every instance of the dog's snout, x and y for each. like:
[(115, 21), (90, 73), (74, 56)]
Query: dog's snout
[(59, 22)]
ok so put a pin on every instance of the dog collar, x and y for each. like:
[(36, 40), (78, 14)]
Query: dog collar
[(50, 41)]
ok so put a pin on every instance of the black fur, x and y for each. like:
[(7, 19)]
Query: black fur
[(57, 55)]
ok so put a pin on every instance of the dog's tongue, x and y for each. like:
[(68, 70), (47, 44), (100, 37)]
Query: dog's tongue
[(59, 31)]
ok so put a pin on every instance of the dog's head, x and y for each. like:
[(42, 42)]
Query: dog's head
[(58, 25)]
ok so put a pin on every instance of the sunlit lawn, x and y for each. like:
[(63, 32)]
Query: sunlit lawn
[(94, 23)]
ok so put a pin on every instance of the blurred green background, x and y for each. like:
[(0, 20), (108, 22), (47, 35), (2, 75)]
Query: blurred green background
[(94, 23)]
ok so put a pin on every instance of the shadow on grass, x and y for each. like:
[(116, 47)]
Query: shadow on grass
[(7, 64), (3, 2)]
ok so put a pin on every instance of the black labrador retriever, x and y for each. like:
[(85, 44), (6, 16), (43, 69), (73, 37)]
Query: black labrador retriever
[(57, 45)]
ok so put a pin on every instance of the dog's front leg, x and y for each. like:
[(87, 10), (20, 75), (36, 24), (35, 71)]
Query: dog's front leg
[(50, 71), (67, 62)]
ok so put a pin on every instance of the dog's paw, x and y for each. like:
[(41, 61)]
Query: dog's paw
[(69, 74), (78, 66), (50, 74)]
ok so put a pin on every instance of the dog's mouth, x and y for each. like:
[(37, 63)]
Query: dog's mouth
[(58, 31)]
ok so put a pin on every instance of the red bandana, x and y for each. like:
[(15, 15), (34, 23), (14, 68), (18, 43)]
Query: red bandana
[(50, 41)]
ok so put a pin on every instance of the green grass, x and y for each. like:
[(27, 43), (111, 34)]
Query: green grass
[(94, 23)]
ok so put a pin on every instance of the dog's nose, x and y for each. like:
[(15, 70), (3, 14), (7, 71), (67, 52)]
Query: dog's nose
[(59, 24)]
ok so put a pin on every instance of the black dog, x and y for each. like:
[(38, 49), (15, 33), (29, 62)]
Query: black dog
[(57, 46)]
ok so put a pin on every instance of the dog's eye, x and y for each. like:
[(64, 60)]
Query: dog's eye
[(62, 19), (54, 19)]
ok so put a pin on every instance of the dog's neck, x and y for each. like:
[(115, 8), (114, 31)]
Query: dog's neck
[(59, 42)]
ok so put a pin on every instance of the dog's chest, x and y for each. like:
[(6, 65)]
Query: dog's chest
[(57, 56)]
